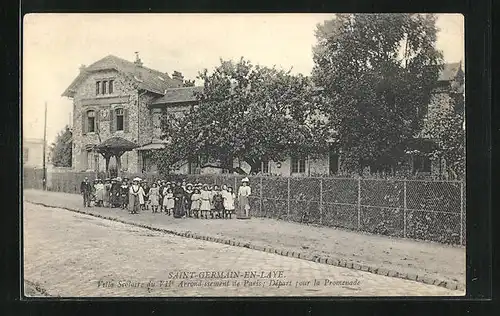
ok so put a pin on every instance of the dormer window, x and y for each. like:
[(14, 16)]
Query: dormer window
[(104, 87)]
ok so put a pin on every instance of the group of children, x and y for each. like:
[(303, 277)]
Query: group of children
[(198, 200)]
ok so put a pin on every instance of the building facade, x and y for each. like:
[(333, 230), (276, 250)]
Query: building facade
[(117, 98), (33, 153)]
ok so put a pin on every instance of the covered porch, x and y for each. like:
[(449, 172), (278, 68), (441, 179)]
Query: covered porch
[(114, 147)]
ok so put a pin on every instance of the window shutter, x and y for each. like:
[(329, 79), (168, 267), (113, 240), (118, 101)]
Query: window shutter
[(112, 121), (96, 122), (84, 123), (125, 120)]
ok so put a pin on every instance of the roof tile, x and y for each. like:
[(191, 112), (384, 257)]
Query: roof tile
[(148, 79), (178, 95)]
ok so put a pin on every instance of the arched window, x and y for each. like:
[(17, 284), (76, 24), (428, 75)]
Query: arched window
[(91, 120), (119, 119)]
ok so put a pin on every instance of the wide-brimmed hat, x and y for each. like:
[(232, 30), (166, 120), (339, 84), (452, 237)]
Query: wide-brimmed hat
[(118, 179), (245, 180), (137, 179), (189, 185)]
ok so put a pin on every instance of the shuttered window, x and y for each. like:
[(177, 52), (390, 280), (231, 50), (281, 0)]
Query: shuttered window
[(125, 121), (119, 119), (91, 121), (112, 120)]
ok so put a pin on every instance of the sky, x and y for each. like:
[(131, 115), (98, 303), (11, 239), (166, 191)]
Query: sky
[(55, 45)]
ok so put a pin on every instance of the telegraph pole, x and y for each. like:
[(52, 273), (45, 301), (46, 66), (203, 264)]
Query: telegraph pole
[(44, 149)]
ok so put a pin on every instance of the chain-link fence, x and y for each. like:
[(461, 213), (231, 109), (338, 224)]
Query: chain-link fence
[(416, 209)]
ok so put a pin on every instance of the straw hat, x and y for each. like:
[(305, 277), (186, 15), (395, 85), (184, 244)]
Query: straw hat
[(137, 179), (118, 179), (245, 180)]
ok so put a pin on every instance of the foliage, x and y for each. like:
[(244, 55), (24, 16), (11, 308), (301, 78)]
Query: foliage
[(61, 149), (378, 71), (248, 112), (446, 126), (188, 83)]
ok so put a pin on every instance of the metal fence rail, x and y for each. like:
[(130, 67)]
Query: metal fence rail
[(416, 209)]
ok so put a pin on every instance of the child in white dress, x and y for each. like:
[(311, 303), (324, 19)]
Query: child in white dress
[(195, 203), (229, 198), (205, 205)]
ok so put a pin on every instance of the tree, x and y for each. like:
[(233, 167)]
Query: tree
[(446, 126), (248, 112), (378, 71), (188, 83), (61, 149)]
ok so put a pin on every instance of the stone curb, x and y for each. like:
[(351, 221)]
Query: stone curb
[(283, 252)]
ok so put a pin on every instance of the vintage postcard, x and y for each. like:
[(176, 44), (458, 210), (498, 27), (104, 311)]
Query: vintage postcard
[(221, 155)]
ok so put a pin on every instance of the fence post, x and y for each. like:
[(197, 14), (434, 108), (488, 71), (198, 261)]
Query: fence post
[(288, 200), (404, 208), (320, 201), (260, 201), (359, 203), (461, 213)]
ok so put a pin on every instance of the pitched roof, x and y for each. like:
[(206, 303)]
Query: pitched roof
[(146, 78), (449, 71), (178, 95), (115, 143)]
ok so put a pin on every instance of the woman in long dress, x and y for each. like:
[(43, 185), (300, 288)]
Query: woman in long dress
[(136, 195), (115, 192), (107, 192), (99, 192), (243, 203), (124, 194), (179, 200), (188, 199)]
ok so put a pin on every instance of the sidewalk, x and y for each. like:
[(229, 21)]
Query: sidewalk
[(430, 263)]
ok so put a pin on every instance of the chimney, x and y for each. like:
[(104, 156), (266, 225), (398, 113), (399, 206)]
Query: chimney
[(82, 68), (138, 60), (178, 76)]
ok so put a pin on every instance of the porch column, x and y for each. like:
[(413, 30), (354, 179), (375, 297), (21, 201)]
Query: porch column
[(118, 156), (107, 158)]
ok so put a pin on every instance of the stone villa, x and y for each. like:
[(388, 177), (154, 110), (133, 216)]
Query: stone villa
[(114, 97)]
